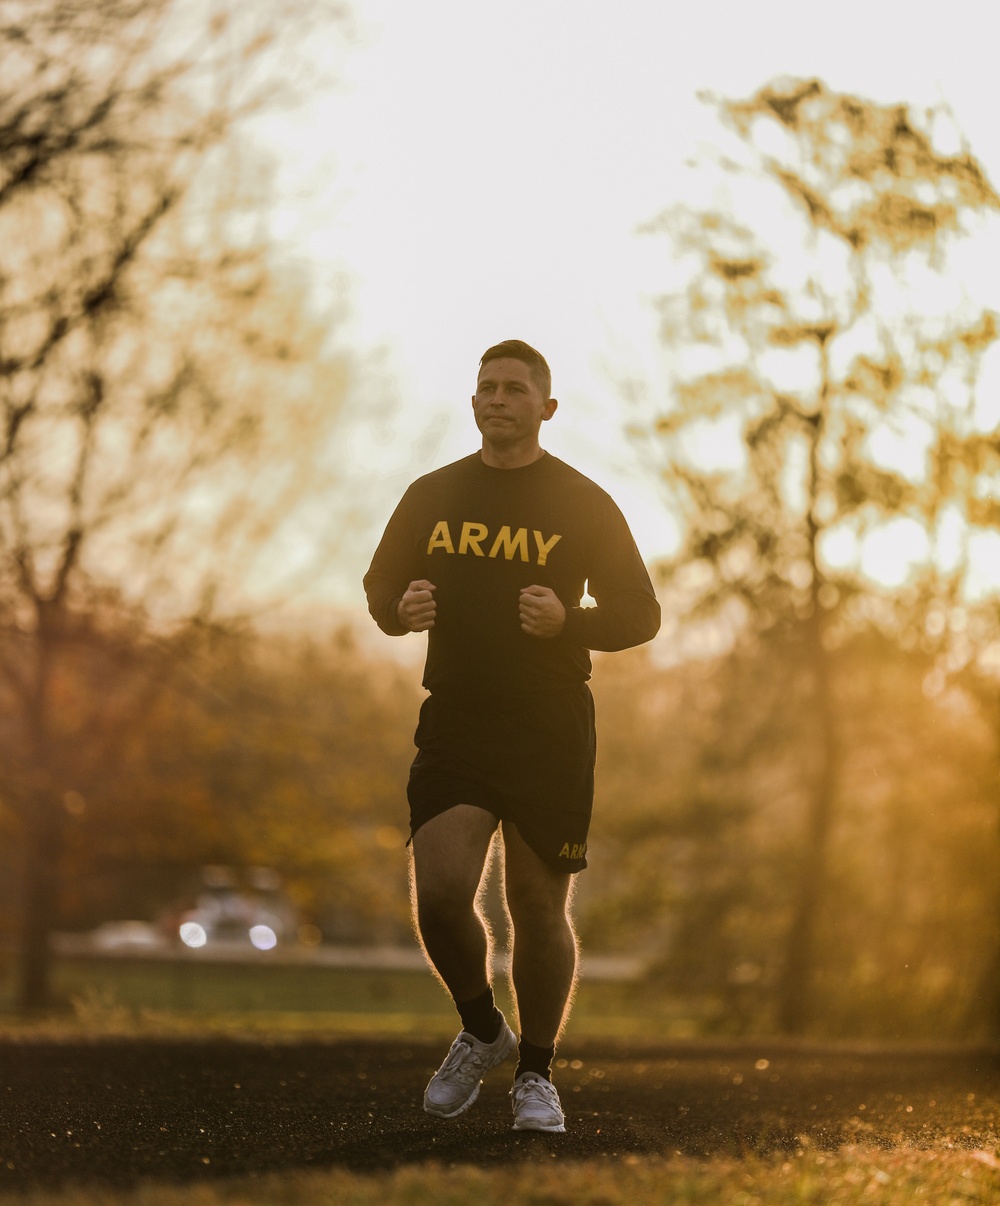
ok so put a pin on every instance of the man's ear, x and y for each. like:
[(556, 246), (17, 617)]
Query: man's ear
[(550, 408)]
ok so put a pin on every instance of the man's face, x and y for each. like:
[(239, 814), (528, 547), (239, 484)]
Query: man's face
[(508, 405)]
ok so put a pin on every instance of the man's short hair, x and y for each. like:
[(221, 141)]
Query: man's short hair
[(517, 349)]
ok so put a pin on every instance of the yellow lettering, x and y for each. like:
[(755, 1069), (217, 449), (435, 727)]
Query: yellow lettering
[(473, 534), (564, 852), (511, 544), (545, 546), (440, 538)]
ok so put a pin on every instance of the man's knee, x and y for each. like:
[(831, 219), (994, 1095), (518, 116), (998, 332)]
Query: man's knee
[(443, 900), (537, 897)]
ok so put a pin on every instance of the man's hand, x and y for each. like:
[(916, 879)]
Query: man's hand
[(542, 614), (416, 609)]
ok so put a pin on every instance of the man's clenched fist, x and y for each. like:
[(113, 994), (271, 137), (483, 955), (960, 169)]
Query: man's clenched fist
[(541, 612), (416, 609)]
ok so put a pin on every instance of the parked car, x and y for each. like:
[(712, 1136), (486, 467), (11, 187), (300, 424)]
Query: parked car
[(228, 913)]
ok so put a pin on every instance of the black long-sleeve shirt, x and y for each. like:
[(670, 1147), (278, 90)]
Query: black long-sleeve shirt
[(481, 535)]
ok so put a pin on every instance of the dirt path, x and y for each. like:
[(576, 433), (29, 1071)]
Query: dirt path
[(127, 1110)]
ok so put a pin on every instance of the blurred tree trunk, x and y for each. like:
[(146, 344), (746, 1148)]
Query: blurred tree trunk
[(42, 817), (794, 1006), (42, 852)]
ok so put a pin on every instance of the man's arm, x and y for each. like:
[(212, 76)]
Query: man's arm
[(394, 577), (627, 611)]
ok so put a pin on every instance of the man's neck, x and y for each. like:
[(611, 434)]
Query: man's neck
[(515, 457)]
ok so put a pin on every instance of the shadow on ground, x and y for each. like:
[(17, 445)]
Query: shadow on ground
[(128, 1110)]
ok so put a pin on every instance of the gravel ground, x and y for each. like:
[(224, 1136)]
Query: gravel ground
[(128, 1110)]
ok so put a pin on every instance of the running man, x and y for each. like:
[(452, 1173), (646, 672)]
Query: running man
[(490, 557)]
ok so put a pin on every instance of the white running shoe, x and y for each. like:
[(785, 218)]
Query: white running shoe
[(536, 1104), (455, 1085)]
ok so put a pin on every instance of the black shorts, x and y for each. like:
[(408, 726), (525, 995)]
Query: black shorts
[(527, 761)]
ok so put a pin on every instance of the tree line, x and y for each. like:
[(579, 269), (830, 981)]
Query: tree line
[(292, 753)]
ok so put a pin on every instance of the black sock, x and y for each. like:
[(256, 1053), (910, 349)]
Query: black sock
[(534, 1059), (480, 1017)]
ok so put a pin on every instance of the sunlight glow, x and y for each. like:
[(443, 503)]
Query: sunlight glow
[(493, 183), (889, 554)]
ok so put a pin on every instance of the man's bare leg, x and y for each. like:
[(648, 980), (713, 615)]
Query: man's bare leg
[(449, 855), (543, 963), (543, 973)]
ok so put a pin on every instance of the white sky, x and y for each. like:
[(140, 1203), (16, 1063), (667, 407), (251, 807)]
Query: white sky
[(481, 170)]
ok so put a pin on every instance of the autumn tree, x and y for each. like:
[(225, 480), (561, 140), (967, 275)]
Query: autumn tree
[(698, 795), (167, 389), (260, 750), (800, 344)]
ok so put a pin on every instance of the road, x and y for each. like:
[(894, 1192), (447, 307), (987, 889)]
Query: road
[(126, 1110)]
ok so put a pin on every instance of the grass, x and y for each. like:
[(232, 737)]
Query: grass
[(145, 996), (809, 1178)]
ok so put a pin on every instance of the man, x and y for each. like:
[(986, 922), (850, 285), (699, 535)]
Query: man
[(490, 556)]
